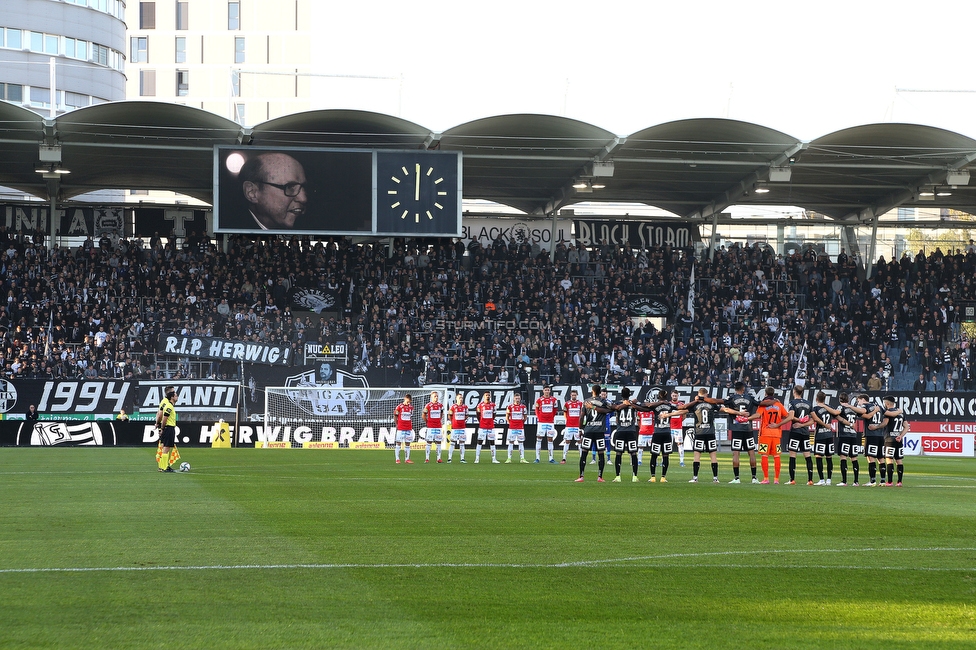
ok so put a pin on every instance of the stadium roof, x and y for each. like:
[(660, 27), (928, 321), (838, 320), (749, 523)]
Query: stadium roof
[(693, 168)]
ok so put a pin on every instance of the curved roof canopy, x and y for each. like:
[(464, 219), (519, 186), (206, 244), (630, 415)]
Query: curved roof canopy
[(535, 163)]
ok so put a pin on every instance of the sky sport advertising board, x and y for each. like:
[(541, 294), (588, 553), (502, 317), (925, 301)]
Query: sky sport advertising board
[(315, 191)]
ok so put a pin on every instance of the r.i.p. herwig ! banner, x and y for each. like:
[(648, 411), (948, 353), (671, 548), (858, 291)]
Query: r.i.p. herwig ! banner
[(205, 347)]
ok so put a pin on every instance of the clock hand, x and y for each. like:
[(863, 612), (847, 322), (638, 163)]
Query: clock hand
[(416, 195)]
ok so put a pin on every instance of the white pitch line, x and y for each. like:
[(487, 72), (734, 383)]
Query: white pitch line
[(512, 565), (830, 567)]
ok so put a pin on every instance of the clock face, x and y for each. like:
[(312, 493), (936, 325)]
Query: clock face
[(417, 192)]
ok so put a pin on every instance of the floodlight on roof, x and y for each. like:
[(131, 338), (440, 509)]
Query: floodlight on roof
[(50, 170), (49, 153), (957, 177), (780, 174), (580, 185)]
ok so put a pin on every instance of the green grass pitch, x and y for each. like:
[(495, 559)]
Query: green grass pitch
[(310, 549)]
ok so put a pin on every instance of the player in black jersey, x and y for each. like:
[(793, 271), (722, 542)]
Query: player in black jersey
[(592, 437), (704, 408), (849, 445), (823, 437), (742, 407), (625, 435), (873, 439), (895, 429), (661, 445), (798, 437)]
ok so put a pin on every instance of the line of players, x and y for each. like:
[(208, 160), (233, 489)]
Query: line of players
[(809, 432), (546, 409), (657, 427), (454, 420)]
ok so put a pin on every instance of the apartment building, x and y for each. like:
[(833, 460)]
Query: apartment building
[(85, 39), (248, 60)]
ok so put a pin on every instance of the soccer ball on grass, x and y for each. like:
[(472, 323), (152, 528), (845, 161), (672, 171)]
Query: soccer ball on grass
[(184, 467)]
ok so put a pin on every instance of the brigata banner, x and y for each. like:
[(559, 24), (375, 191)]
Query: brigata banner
[(639, 234), (204, 347)]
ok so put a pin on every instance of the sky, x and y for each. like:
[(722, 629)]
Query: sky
[(804, 68)]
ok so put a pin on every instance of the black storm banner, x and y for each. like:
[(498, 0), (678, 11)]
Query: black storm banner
[(638, 234)]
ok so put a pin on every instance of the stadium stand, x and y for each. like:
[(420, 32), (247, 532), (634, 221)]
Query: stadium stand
[(98, 310)]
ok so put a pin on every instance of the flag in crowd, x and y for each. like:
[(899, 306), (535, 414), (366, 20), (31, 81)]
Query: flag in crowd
[(781, 340), (800, 376)]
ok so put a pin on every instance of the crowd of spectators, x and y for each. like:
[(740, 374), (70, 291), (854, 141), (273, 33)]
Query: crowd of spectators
[(433, 311)]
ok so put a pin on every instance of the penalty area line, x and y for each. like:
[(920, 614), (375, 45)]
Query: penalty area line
[(637, 560)]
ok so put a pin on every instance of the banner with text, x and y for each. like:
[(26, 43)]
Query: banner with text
[(70, 220), (216, 398), (485, 231), (64, 399), (639, 234), (204, 347), (938, 444)]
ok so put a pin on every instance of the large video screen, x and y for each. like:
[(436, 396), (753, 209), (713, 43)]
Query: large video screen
[(336, 192)]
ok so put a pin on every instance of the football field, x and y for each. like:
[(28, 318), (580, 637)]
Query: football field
[(314, 549)]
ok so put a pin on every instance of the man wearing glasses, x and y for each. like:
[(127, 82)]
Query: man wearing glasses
[(274, 186)]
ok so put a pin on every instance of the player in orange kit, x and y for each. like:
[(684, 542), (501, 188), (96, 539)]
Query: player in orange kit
[(769, 437)]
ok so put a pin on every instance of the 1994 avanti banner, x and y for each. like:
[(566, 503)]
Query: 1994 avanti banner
[(203, 347)]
